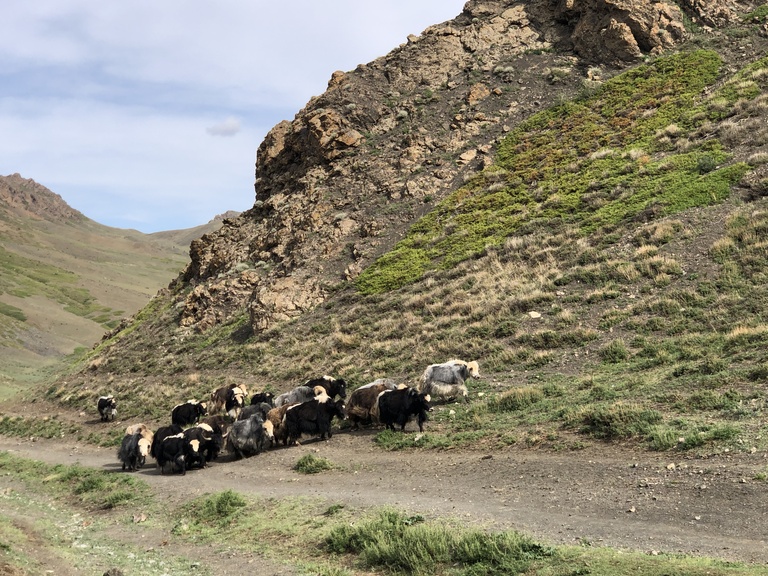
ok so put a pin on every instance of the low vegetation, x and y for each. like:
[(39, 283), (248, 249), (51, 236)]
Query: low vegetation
[(23, 277), (311, 464), (594, 163), (318, 536), (604, 272), (85, 487)]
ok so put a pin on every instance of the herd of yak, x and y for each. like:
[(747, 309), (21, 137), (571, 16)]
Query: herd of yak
[(199, 431)]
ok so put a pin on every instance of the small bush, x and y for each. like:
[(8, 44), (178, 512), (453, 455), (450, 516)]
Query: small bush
[(616, 421), (403, 544), (661, 438), (219, 509), (311, 464), (615, 352), (515, 399)]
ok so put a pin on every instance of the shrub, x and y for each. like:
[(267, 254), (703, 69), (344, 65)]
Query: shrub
[(218, 509), (615, 352), (515, 399), (616, 421), (311, 464), (404, 544)]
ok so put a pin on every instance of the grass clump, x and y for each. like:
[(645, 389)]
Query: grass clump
[(515, 399), (218, 509), (615, 352), (403, 544), (311, 464), (614, 421)]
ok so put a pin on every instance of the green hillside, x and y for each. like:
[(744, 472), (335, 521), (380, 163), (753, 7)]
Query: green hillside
[(65, 280), (608, 272)]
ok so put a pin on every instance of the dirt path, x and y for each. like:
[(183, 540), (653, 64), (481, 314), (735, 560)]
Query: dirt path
[(711, 506)]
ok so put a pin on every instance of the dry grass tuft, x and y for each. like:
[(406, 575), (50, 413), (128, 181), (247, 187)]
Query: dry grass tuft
[(646, 251)]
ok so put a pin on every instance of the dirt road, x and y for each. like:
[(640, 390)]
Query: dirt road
[(714, 506)]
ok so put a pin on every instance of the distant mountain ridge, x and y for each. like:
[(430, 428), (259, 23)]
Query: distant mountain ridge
[(66, 279), (26, 198)]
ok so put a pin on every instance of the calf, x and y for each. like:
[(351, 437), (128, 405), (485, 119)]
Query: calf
[(362, 401), (275, 417), (235, 402), (333, 386), (248, 437), (312, 417), (188, 413), (219, 424), (107, 406), (219, 396), (401, 405)]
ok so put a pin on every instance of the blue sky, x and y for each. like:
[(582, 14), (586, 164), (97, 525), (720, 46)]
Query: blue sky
[(147, 115)]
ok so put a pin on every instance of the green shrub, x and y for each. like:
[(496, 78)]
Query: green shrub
[(515, 399), (615, 421), (615, 352), (311, 464), (218, 509), (403, 544)]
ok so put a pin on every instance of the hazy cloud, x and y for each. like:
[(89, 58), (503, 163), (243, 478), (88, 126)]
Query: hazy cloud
[(229, 127)]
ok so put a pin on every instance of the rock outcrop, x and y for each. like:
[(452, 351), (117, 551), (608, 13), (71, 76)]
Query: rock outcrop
[(347, 176)]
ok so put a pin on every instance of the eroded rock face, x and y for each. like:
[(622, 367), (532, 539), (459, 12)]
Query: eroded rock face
[(622, 31), (349, 174), (715, 13), (283, 299)]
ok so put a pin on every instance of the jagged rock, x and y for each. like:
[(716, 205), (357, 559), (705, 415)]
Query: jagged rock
[(34, 200), (711, 12), (467, 157), (403, 128), (616, 31), (477, 93), (329, 134), (216, 301), (282, 300)]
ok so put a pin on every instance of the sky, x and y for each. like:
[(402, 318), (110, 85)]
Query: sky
[(148, 115)]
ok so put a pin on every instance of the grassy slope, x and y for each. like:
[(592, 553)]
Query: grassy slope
[(614, 218), (63, 284)]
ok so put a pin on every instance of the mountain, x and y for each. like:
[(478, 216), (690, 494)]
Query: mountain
[(572, 193), (67, 279)]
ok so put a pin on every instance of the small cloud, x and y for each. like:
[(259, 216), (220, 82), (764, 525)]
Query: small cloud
[(228, 127)]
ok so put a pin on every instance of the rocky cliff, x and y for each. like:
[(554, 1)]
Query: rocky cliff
[(344, 179)]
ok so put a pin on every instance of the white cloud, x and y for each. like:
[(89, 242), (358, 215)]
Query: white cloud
[(113, 105), (228, 127)]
